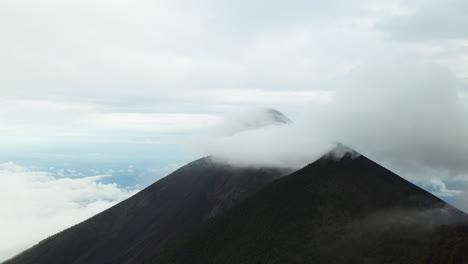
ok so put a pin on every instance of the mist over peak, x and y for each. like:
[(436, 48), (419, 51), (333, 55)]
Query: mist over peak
[(261, 137), (251, 119), (341, 150)]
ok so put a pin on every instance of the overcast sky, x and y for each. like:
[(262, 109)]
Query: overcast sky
[(104, 97)]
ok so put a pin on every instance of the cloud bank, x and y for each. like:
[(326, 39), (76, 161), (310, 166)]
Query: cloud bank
[(36, 204)]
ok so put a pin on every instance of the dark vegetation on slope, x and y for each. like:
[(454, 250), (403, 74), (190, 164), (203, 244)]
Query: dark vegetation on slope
[(134, 228), (349, 210)]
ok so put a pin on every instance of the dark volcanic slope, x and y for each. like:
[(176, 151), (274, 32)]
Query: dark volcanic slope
[(148, 220), (332, 211)]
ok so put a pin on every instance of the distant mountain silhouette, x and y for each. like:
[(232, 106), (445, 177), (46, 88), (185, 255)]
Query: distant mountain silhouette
[(134, 228), (277, 116), (339, 209)]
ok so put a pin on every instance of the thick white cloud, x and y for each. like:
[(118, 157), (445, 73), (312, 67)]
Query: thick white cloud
[(36, 204)]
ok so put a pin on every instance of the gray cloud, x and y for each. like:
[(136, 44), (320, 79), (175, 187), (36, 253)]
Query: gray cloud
[(405, 109), (433, 21)]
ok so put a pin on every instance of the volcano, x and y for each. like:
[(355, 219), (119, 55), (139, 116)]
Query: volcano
[(339, 209)]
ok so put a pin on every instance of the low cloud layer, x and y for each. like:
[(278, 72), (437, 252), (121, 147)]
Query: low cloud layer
[(36, 204)]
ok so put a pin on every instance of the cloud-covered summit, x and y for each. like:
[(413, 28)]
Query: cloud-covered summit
[(251, 119)]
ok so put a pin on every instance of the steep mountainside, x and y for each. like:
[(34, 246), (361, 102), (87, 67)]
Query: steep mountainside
[(335, 210), (145, 222)]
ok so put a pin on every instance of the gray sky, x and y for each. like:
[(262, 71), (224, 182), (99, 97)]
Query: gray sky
[(145, 82)]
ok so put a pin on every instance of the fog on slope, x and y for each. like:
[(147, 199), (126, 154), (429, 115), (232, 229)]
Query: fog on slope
[(405, 114)]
